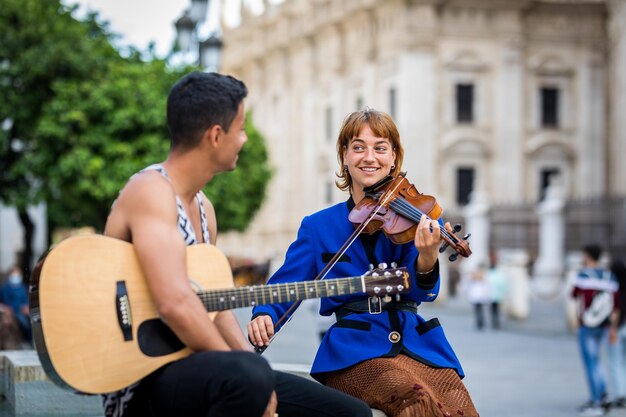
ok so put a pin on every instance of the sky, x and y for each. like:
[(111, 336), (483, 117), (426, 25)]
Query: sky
[(139, 21)]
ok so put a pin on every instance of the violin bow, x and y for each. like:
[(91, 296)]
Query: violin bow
[(344, 248)]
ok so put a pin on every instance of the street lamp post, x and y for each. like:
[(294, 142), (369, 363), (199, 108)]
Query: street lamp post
[(211, 53), (184, 32), (204, 52)]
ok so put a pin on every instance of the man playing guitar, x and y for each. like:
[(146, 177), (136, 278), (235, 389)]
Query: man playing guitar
[(161, 210)]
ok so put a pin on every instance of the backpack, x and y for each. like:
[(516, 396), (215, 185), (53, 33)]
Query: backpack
[(600, 308)]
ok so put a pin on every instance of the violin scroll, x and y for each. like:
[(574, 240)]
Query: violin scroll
[(461, 246)]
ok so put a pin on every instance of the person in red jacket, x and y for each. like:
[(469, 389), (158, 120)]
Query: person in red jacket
[(595, 291)]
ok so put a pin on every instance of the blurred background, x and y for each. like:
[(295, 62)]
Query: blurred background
[(510, 112)]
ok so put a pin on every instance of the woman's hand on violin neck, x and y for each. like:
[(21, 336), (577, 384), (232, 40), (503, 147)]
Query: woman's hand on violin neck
[(427, 242)]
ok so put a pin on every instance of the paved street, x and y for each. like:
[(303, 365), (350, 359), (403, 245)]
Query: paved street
[(527, 369)]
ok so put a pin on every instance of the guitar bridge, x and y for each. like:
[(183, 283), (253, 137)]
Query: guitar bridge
[(122, 307)]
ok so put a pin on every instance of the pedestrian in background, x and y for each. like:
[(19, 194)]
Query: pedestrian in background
[(496, 281), (14, 295), (617, 339), (595, 291), (478, 294)]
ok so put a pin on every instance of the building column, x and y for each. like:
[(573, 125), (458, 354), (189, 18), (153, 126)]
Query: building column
[(591, 119), (617, 88), (509, 110), (418, 128)]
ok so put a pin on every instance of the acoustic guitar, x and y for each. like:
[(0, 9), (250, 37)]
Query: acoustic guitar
[(95, 325)]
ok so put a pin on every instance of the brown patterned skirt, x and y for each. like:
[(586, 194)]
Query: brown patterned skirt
[(404, 387)]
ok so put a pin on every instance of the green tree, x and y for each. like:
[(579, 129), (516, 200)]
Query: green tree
[(40, 43), (114, 127), (79, 119), (94, 134)]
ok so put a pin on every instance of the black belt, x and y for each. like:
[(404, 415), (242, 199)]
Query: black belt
[(365, 306)]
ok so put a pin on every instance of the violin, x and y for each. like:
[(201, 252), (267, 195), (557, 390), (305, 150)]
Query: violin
[(396, 206)]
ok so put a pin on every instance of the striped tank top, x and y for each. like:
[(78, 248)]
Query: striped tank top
[(115, 403)]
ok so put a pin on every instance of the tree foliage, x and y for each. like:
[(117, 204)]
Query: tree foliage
[(79, 119), (40, 44), (96, 133), (116, 127)]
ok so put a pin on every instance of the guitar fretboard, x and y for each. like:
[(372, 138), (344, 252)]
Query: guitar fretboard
[(226, 299)]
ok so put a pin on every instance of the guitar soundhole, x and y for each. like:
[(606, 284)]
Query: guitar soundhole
[(156, 339)]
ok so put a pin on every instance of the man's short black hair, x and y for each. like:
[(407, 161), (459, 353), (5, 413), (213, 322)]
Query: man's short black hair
[(198, 101), (593, 251)]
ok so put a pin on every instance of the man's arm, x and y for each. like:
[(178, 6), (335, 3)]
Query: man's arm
[(231, 331), (148, 209)]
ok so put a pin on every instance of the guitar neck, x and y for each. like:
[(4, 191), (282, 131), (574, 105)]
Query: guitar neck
[(230, 298)]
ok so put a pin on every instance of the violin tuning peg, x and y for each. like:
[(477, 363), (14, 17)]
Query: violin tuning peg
[(443, 247), (453, 257), (457, 228), (467, 236)]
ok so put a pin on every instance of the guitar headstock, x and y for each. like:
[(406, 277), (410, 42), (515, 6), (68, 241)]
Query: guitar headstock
[(384, 281)]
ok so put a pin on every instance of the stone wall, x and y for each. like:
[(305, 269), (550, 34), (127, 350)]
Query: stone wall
[(308, 63)]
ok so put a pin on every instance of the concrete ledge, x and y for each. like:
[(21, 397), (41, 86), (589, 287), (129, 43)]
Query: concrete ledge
[(25, 390)]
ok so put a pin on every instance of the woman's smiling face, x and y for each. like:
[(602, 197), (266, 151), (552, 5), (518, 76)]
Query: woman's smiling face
[(369, 159)]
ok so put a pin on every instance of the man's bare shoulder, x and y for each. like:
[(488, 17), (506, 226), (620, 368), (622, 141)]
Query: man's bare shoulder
[(144, 195)]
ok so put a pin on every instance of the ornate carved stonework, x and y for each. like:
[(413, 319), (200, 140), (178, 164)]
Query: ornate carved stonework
[(324, 58)]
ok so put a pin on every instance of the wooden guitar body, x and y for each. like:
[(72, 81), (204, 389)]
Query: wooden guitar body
[(75, 322)]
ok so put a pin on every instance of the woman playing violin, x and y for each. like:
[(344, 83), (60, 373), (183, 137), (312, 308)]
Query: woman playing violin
[(380, 350)]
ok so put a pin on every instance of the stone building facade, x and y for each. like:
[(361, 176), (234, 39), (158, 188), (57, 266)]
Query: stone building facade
[(505, 95)]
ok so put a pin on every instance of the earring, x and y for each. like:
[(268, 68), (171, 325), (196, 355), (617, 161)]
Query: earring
[(393, 167), (345, 168)]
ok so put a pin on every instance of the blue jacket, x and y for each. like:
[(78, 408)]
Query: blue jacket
[(360, 336)]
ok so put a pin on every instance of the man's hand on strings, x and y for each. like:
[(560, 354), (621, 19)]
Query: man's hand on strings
[(261, 330)]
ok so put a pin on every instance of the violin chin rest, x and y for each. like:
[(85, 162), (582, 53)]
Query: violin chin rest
[(372, 188)]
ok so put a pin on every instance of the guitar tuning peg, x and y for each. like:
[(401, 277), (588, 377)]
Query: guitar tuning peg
[(382, 265), (394, 265), (371, 267)]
